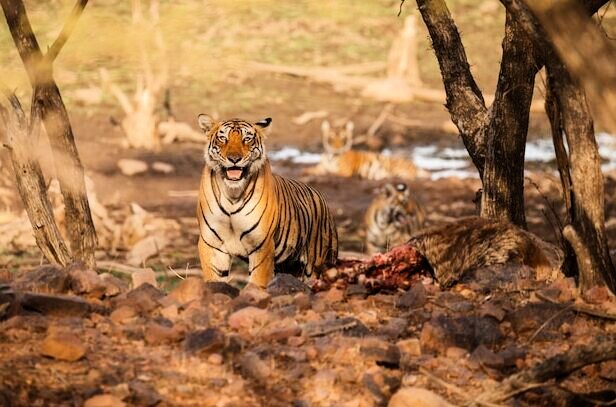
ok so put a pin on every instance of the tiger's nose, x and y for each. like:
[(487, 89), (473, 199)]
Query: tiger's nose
[(235, 158)]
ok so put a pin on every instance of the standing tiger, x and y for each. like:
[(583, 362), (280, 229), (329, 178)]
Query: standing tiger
[(392, 217), (246, 211), (340, 159)]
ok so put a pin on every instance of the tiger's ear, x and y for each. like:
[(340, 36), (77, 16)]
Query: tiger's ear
[(206, 122), (349, 128), (325, 127), (264, 123)]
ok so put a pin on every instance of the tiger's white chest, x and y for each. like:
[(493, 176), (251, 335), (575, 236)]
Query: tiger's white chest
[(230, 229)]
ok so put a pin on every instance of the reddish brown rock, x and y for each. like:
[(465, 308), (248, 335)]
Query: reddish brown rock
[(283, 284), (251, 366), (205, 341), (248, 318), (144, 276), (596, 295), (157, 334), (416, 297), (417, 397), (443, 332), (63, 346), (104, 400), (190, 289), (486, 357), (48, 278), (281, 330), (86, 281), (123, 314)]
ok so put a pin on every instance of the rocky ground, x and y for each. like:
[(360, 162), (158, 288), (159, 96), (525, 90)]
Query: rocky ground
[(72, 337)]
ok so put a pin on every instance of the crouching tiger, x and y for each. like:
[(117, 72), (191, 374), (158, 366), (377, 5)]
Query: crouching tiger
[(246, 211)]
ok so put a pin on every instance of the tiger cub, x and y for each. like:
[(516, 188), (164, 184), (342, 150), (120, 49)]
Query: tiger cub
[(246, 211), (340, 159), (392, 217)]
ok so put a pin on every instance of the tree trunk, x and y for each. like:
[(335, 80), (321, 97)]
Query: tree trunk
[(47, 98), (587, 195), (20, 139), (578, 40), (503, 181)]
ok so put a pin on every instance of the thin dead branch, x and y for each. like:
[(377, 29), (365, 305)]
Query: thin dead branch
[(602, 349), (66, 32)]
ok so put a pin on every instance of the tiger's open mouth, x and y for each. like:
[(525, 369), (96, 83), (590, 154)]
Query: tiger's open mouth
[(235, 173)]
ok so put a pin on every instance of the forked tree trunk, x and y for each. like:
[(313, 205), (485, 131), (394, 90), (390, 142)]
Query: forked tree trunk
[(47, 99), (494, 138)]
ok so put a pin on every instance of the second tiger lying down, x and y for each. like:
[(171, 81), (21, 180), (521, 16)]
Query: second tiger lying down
[(246, 211)]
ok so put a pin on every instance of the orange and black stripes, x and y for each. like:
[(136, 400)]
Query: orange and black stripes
[(270, 220)]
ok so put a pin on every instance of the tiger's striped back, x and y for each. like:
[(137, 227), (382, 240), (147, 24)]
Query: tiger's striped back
[(392, 217)]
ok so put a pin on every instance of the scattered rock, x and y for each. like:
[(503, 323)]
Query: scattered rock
[(190, 289), (491, 310), (255, 296), (283, 284), (157, 334), (55, 305), (113, 285), (349, 326), (86, 281), (455, 353), (63, 346), (104, 400), (393, 328), (145, 248), (248, 318), (253, 367), (608, 370), (205, 341), (416, 297), (410, 347), (356, 290), (123, 314), (486, 357), (280, 330), (381, 384), (162, 167), (220, 287), (454, 302), (144, 298), (143, 276), (170, 311), (130, 167), (465, 332), (530, 317), (333, 295), (596, 295), (48, 278), (302, 301), (511, 355), (142, 394), (417, 397), (215, 359), (380, 351)]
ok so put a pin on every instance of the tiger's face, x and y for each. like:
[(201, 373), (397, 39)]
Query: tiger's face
[(234, 148), (395, 211), (337, 140)]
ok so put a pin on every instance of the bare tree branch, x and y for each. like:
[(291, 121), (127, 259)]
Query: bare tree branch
[(66, 32), (464, 99)]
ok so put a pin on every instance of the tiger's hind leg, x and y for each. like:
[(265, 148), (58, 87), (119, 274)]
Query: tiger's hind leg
[(215, 263)]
